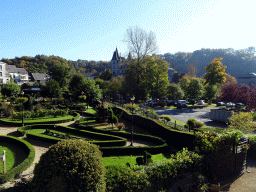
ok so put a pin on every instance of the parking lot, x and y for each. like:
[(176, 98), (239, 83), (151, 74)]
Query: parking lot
[(184, 114)]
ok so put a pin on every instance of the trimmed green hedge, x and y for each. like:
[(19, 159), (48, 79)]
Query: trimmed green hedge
[(174, 138), (28, 148), (108, 140), (42, 121), (160, 147)]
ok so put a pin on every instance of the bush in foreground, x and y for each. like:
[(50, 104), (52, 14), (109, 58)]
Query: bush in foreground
[(70, 165)]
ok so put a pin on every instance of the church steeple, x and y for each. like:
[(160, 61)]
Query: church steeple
[(115, 55), (129, 56)]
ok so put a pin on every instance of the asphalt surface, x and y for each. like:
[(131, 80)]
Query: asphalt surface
[(184, 114)]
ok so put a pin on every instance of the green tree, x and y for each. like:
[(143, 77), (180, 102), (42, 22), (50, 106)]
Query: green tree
[(158, 83), (105, 75), (76, 84), (61, 73), (52, 89), (215, 72), (195, 88), (91, 90), (175, 91), (153, 78), (210, 92), (184, 84), (10, 88)]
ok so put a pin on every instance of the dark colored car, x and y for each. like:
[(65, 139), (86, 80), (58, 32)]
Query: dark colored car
[(221, 104), (181, 105), (192, 101)]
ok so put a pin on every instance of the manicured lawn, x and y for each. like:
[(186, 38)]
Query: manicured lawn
[(14, 155), (122, 160)]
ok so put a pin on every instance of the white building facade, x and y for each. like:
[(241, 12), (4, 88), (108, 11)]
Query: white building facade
[(4, 75)]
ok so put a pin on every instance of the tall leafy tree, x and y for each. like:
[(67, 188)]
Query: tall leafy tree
[(153, 78), (10, 88), (215, 72), (175, 91), (210, 92), (184, 84), (52, 89), (105, 75), (195, 88), (61, 73)]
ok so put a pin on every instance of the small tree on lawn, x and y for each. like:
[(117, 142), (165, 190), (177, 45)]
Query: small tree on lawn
[(112, 119)]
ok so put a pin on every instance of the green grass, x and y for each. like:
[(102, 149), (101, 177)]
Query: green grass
[(178, 122), (91, 111), (14, 155), (213, 129), (122, 160)]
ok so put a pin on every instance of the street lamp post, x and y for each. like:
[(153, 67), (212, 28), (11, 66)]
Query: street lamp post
[(82, 102), (133, 98), (22, 93)]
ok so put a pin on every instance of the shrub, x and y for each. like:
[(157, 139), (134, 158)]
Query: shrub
[(160, 174), (242, 121), (123, 178), (120, 126), (192, 123), (70, 165), (132, 107), (166, 117)]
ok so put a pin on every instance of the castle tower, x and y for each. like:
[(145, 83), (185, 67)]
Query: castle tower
[(116, 63)]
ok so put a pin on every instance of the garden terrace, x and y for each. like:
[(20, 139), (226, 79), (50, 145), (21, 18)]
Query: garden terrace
[(38, 132), (23, 164), (47, 120)]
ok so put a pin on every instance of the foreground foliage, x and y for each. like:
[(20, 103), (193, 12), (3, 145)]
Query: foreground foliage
[(70, 165)]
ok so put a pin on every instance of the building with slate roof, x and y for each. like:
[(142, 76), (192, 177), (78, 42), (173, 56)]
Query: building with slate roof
[(249, 79), (19, 75), (40, 77), (117, 62), (4, 75)]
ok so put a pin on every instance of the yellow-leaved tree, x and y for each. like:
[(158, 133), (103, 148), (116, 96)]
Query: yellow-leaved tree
[(242, 121)]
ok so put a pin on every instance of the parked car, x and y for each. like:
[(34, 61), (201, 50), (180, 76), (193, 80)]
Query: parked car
[(230, 104), (174, 102), (192, 101), (239, 105), (181, 105), (169, 102), (201, 102), (128, 98), (221, 104)]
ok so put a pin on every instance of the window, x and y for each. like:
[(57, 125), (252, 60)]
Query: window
[(1, 67), (0, 74)]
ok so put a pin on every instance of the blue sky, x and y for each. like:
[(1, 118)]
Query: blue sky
[(91, 30)]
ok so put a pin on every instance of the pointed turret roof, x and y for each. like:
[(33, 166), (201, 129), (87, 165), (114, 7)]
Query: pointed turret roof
[(129, 55), (115, 55)]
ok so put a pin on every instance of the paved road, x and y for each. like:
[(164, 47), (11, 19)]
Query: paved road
[(184, 114)]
